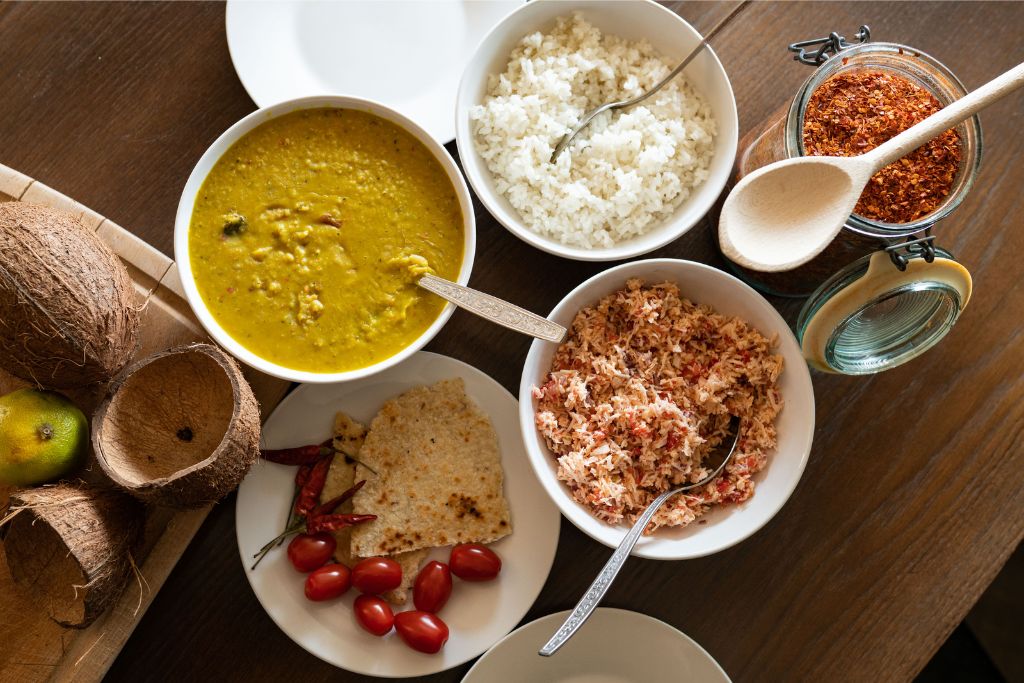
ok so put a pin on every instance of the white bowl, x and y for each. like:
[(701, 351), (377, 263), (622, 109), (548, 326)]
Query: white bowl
[(672, 37), (725, 525), (205, 164)]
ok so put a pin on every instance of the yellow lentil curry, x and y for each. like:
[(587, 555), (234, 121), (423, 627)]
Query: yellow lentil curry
[(309, 233)]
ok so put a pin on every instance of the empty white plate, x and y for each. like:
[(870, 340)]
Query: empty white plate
[(614, 646), (407, 54), (478, 614)]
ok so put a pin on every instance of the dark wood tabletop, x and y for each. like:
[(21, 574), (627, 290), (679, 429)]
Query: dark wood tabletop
[(914, 494)]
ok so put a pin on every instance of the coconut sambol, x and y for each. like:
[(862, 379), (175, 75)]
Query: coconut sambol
[(643, 389), (308, 234)]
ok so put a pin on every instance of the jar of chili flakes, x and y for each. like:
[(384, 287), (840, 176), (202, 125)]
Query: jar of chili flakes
[(859, 97)]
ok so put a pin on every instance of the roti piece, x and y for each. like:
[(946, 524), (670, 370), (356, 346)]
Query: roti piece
[(348, 435), (438, 474), (410, 562), (348, 438)]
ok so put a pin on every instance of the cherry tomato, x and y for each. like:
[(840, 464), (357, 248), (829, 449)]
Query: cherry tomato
[(433, 587), (327, 582), (421, 631), (374, 614), (311, 551), (472, 562), (376, 575)]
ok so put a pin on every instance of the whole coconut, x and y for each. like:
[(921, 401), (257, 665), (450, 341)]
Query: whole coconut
[(67, 313)]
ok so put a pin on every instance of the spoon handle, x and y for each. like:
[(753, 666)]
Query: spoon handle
[(944, 119), (494, 309), (689, 58), (592, 598)]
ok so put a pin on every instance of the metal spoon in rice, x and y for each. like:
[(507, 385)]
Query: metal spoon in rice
[(592, 598), (611, 106)]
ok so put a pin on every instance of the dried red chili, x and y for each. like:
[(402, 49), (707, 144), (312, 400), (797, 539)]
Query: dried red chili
[(301, 455), (302, 475), (332, 504), (310, 492), (334, 522), (853, 112)]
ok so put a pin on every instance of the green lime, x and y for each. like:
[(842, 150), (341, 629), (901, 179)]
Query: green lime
[(43, 436)]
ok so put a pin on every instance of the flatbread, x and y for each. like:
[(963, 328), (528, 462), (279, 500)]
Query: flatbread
[(349, 435), (438, 474), (348, 438)]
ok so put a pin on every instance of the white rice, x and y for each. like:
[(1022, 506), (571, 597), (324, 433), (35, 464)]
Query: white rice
[(627, 172)]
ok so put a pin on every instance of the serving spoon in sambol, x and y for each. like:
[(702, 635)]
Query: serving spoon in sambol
[(784, 214), (716, 460)]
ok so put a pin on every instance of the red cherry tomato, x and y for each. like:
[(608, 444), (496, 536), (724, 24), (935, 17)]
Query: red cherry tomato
[(311, 551), (327, 582), (472, 562), (433, 587), (376, 575), (374, 614), (421, 631)]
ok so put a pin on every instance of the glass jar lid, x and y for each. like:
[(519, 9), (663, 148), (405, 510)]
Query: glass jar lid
[(882, 310)]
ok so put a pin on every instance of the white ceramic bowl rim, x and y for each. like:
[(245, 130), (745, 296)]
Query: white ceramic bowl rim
[(800, 401), (688, 214), (221, 145)]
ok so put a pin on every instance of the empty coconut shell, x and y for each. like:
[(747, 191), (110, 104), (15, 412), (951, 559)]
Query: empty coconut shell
[(69, 547), (180, 428), (67, 304)]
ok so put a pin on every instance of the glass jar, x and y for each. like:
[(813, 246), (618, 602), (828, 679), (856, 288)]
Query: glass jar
[(883, 310), (780, 137)]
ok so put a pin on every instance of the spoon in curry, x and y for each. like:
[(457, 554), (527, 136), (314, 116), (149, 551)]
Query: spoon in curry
[(494, 309), (784, 214), (716, 460)]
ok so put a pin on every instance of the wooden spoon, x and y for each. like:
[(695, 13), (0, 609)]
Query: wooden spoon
[(784, 214)]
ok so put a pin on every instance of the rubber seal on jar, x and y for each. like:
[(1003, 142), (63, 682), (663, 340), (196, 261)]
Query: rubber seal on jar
[(884, 318)]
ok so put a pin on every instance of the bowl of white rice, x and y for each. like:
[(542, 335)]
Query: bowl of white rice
[(660, 353), (635, 179)]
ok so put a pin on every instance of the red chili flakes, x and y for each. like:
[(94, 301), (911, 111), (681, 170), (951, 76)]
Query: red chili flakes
[(853, 112)]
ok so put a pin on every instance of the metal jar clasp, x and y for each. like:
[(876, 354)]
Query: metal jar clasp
[(902, 252), (815, 52)]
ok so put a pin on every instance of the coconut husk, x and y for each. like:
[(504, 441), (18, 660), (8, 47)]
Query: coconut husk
[(67, 304), (68, 547), (180, 428)]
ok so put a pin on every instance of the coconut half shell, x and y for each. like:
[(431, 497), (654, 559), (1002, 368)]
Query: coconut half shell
[(69, 548), (180, 428), (67, 304)]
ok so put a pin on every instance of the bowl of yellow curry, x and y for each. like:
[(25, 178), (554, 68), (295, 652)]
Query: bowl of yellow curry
[(303, 229)]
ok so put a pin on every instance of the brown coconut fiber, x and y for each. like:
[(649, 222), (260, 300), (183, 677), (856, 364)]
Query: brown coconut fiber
[(67, 304), (69, 548), (180, 428)]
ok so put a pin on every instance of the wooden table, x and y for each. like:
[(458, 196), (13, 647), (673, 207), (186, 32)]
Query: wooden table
[(913, 497)]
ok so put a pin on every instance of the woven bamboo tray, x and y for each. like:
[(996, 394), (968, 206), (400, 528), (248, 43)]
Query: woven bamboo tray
[(33, 647)]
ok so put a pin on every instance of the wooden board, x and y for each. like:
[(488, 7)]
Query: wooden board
[(35, 648)]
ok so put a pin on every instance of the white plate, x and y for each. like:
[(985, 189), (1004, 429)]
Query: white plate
[(724, 525), (407, 54), (614, 646), (477, 614)]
